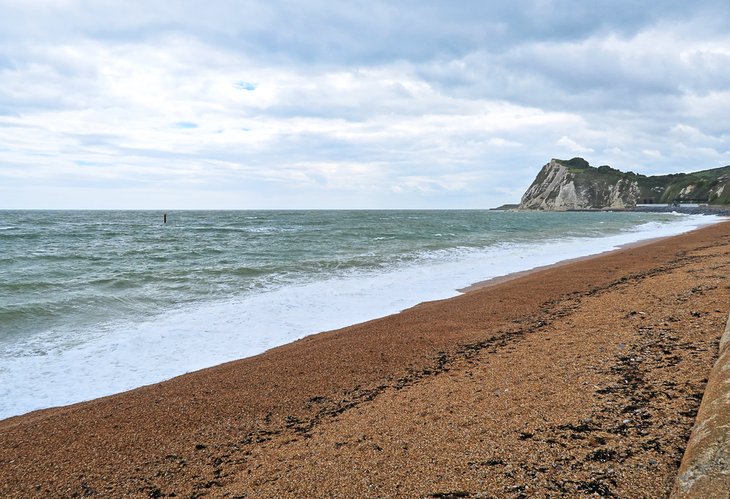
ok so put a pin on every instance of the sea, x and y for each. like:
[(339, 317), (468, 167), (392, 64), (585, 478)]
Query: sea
[(98, 302)]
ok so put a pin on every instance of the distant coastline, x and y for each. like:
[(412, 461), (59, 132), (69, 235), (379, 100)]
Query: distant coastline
[(718, 210)]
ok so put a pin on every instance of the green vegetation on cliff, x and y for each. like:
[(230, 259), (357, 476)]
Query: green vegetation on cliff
[(706, 186)]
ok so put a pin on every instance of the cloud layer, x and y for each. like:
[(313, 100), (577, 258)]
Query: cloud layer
[(349, 105)]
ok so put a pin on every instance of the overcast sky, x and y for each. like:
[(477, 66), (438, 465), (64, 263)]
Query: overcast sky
[(352, 104)]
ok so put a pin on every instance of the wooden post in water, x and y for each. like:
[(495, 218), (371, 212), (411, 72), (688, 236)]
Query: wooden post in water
[(164, 218)]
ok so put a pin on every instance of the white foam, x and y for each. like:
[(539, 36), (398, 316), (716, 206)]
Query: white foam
[(188, 339)]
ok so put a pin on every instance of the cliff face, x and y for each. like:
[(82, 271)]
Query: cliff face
[(575, 185), (707, 186)]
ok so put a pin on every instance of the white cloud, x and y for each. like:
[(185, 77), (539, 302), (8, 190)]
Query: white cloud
[(500, 142), (438, 110), (572, 146)]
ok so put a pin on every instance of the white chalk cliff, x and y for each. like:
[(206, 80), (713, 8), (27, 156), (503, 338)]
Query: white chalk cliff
[(574, 185)]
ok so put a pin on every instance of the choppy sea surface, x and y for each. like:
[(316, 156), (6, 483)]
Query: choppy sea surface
[(97, 302)]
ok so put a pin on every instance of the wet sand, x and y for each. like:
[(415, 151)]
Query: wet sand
[(577, 379)]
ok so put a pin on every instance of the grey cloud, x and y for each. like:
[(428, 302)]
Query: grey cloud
[(321, 32), (44, 78), (551, 56), (579, 76), (360, 32), (511, 50)]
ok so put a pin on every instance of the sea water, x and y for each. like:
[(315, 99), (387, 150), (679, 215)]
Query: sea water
[(97, 302)]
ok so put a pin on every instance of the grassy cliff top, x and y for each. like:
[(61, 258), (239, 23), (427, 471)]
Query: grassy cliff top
[(701, 186)]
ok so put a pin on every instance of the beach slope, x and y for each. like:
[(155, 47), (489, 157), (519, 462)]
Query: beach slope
[(577, 379)]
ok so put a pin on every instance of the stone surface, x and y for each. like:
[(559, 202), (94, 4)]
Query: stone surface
[(705, 469), (559, 187)]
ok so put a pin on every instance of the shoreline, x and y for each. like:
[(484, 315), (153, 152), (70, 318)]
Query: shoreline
[(720, 210), (310, 309), (515, 275), (261, 423)]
